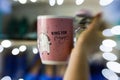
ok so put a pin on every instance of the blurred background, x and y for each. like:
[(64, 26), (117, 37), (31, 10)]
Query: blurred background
[(19, 56)]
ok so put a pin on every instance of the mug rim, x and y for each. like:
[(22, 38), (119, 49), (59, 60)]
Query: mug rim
[(54, 16)]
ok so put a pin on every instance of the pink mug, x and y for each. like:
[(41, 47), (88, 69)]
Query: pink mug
[(54, 38)]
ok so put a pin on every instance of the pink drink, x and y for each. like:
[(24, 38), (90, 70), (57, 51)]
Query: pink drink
[(55, 38)]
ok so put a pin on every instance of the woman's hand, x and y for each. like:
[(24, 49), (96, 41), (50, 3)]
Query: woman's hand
[(91, 38), (88, 42)]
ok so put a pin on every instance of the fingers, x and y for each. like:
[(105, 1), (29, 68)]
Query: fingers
[(103, 25), (95, 23)]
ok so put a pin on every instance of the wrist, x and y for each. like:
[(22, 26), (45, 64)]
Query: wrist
[(80, 47)]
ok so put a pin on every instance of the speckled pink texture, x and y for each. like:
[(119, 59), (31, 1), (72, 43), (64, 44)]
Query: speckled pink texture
[(60, 35)]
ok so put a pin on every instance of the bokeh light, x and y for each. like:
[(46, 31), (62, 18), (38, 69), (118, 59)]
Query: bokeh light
[(105, 48), (107, 33), (23, 1), (110, 75), (109, 43), (33, 0), (15, 51), (6, 78), (116, 30), (6, 43), (114, 66), (21, 79), (79, 2), (35, 50), (60, 2), (22, 48), (105, 2), (51, 2), (1, 48), (109, 56)]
